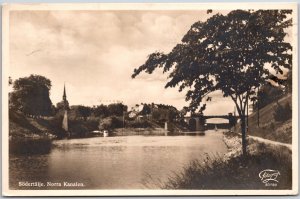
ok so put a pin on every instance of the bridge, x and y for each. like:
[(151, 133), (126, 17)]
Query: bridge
[(197, 122)]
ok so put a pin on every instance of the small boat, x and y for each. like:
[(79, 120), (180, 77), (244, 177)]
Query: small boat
[(95, 133)]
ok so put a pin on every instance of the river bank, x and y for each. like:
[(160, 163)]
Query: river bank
[(264, 125), (235, 171)]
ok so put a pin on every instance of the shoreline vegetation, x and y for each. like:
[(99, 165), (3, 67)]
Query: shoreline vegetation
[(233, 170)]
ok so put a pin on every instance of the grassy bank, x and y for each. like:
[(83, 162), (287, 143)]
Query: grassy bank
[(21, 126), (235, 171), (268, 127)]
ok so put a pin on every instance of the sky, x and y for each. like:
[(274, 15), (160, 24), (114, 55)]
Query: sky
[(94, 54)]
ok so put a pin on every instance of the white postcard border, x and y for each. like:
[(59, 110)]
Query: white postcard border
[(142, 6)]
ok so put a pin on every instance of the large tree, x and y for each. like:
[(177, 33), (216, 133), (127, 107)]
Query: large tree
[(30, 95), (228, 53)]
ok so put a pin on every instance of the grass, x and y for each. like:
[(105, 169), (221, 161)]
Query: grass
[(269, 128), (237, 172)]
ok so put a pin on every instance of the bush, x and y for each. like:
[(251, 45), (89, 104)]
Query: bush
[(110, 123), (282, 113), (80, 128)]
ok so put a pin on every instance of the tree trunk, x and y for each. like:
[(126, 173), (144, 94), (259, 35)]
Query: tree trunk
[(244, 141)]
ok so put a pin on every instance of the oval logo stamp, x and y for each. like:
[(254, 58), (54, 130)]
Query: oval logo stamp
[(269, 177)]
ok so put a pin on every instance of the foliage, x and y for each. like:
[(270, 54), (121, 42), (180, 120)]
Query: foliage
[(79, 128), (100, 111), (84, 111), (62, 106), (146, 109), (117, 109), (164, 113), (110, 123), (31, 96), (158, 112), (283, 112), (226, 53)]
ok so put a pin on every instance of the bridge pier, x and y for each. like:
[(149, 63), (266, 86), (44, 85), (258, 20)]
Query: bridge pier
[(195, 124)]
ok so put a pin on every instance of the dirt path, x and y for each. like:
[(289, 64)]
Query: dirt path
[(266, 141)]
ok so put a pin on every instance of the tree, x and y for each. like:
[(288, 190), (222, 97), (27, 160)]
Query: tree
[(84, 111), (117, 109), (101, 111), (227, 53), (31, 95), (146, 109), (110, 123)]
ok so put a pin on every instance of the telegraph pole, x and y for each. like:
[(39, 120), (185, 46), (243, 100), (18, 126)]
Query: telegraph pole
[(247, 114), (258, 106)]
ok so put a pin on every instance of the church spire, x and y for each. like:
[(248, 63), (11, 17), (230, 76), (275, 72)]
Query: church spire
[(66, 108), (64, 95)]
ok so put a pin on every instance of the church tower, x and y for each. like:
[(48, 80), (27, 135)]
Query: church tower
[(64, 95), (66, 107)]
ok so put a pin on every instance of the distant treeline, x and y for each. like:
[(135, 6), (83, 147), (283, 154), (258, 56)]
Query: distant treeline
[(31, 96)]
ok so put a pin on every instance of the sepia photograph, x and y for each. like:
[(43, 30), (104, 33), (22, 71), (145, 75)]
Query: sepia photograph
[(115, 99)]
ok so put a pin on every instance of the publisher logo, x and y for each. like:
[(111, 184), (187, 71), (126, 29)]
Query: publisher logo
[(269, 177)]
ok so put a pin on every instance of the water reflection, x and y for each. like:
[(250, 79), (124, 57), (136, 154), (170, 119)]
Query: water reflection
[(30, 146), (132, 162)]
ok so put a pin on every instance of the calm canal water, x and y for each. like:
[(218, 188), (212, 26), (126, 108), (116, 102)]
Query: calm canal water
[(131, 162)]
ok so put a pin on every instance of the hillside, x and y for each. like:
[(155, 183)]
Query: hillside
[(21, 126), (269, 128)]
